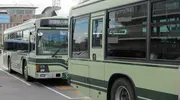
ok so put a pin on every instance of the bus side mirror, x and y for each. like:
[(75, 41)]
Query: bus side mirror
[(40, 34)]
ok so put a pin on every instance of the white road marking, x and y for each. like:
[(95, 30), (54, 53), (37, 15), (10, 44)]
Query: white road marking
[(16, 77), (144, 98), (62, 94), (83, 98)]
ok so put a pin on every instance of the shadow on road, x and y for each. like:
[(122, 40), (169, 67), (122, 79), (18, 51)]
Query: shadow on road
[(46, 82), (53, 82)]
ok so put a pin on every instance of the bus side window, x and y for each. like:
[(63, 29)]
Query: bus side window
[(80, 37), (97, 33)]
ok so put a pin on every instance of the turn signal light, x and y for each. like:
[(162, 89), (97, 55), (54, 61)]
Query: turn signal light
[(37, 68)]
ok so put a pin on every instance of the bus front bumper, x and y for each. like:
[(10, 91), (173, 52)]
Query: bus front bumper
[(51, 75)]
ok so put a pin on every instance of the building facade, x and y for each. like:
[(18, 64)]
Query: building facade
[(12, 15)]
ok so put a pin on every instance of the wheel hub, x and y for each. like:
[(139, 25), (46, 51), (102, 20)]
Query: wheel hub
[(122, 93)]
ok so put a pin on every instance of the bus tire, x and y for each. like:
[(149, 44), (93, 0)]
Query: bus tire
[(9, 66), (66, 81), (26, 75), (122, 89)]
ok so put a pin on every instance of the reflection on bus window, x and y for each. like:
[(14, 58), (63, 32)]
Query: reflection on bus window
[(80, 37), (97, 33), (127, 32), (166, 28), (51, 41)]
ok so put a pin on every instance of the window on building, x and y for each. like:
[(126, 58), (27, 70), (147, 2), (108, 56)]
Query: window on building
[(80, 37), (165, 35), (31, 12), (19, 11), (97, 33), (127, 32), (11, 11)]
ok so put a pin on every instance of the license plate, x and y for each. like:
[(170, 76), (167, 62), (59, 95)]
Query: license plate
[(42, 75)]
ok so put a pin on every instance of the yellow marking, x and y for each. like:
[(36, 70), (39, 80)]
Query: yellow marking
[(76, 92), (65, 87)]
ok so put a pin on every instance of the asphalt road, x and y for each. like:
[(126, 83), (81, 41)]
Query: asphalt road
[(14, 87)]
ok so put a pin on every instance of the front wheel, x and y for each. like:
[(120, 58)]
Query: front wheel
[(26, 76), (122, 89)]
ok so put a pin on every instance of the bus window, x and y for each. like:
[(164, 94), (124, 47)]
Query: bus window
[(166, 27), (97, 33), (80, 37), (126, 29)]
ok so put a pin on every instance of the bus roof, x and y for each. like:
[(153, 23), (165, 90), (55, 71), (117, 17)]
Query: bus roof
[(29, 24), (25, 25), (61, 17), (91, 6)]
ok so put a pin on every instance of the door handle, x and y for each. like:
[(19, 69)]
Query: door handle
[(93, 56)]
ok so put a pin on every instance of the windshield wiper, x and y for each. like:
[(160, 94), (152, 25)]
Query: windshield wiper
[(62, 45)]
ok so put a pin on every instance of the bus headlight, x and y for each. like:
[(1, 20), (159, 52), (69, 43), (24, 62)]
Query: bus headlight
[(42, 68)]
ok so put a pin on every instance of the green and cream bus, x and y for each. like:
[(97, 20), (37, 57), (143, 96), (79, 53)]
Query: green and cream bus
[(125, 49), (38, 48)]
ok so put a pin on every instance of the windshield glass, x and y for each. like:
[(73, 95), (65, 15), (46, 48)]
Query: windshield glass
[(52, 40)]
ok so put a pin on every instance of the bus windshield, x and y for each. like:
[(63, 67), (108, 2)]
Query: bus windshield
[(51, 41)]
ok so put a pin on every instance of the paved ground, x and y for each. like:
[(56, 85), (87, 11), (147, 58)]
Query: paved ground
[(13, 87)]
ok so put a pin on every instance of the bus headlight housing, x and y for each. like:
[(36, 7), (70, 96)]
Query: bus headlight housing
[(42, 68)]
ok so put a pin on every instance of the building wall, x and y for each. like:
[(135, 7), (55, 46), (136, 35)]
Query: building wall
[(16, 16), (20, 18), (4, 21)]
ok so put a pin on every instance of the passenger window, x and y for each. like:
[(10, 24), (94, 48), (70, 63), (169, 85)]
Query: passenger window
[(80, 37), (97, 33), (26, 34), (165, 35), (127, 32)]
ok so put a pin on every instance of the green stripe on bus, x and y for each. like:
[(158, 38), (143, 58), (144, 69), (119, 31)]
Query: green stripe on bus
[(142, 92), (38, 60), (93, 81), (89, 86), (155, 95)]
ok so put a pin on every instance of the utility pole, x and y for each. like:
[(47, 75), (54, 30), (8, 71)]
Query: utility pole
[(56, 4)]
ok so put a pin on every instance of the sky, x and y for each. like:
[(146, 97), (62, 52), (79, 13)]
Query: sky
[(41, 4)]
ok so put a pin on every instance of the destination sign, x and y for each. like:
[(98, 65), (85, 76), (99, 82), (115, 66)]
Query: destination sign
[(54, 23)]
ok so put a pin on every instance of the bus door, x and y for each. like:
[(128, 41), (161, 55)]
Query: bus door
[(14, 56), (97, 53)]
